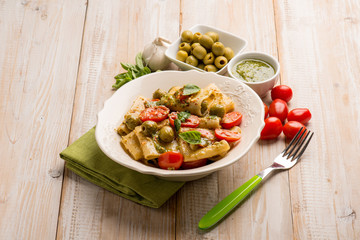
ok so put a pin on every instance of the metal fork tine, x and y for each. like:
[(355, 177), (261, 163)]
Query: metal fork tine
[(305, 146), (293, 140), (300, 145), (294, 144)]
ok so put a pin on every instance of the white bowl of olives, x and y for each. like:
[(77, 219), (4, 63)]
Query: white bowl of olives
[(205, 48)]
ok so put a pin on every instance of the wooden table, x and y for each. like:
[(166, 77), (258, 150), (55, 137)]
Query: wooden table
[(57, 62)]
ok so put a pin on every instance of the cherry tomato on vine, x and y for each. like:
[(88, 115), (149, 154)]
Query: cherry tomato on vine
[(231, 119), (278, 108), (272, 129), (301, 115), (282, 92), (192, 122), (170, 160), (266, 110), (228, 135), (194, 164), (291, 128), (156, 114)]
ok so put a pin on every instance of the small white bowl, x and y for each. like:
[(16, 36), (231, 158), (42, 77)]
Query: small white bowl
[(261, 88), (246, 102), (237, 44)]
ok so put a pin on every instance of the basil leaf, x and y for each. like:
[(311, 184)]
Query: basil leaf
[(146, 70), (190, 89), (139, 61), (182, 116), (192, 137), (177, 124), (126, 66)]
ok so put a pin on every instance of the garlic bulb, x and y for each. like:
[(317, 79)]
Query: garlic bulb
[(154, 54)]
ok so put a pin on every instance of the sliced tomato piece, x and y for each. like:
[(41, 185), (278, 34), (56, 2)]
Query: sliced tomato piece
[(229, 136), (194, 164), (156, 114), (192, 122), (206, 133), (231, 119), (170, 160)]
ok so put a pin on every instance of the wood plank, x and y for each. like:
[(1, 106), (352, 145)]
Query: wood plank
[(267, 213), (39, 55), (319, 53), (115, 32)]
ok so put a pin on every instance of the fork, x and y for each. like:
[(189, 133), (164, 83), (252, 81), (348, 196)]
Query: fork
[(285, 160)]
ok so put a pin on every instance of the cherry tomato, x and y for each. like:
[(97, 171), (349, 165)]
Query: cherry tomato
[(266, 111), (156, 114), (272, 129), (229, 136), (192, 122), (282, 92), (301, 115), (278, 108), (194, 164), (231, 119), (170, 160), (291, 128)]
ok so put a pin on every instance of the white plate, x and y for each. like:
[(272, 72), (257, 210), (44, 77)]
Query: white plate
[(237, 44), (246, 101)]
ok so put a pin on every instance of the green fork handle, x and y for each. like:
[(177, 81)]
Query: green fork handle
[(228, 203)]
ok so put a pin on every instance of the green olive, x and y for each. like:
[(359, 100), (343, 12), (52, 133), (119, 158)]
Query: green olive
[(158, 94), (181, 55), (229, 53), (192, 60), (217, 110), (201, 65), (206, 41), (213, 35), (132, 121), (187, 36), (220, 62), (209, 58), (218, 49), (185, 46), (199, 52), (168, 100), (194, 45), (166, 134), (210, 68), (196, 37), (149, 128)]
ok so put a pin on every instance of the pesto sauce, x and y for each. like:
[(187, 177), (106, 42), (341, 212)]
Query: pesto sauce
[(253, 70), (158, 147)]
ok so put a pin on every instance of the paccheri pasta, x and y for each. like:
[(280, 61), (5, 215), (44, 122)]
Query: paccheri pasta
[(185, 127)]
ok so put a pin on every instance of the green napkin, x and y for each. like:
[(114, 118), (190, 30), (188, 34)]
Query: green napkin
[(85, 158)]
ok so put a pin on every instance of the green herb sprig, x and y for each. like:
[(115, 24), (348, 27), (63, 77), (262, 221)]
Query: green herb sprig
[(133, 71)]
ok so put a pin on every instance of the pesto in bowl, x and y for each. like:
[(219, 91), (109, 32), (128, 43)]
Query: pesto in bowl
[(253, 70)]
